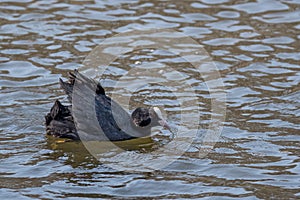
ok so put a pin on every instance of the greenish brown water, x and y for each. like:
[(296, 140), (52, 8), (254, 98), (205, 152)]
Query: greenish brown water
[(255, 45)]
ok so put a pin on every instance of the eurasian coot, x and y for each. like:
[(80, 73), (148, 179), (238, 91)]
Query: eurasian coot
[(116, 124)]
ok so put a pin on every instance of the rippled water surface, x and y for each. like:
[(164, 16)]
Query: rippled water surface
[(255, 45)]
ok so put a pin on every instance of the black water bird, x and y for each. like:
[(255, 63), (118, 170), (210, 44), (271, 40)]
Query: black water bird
[(111, 121)]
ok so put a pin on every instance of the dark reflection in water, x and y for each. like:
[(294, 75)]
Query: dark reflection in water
[(255, 45)]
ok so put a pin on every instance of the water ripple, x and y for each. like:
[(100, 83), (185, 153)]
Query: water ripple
[(253, 43)]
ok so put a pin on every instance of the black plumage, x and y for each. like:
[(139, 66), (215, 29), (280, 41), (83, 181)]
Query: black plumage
[(97, 116)]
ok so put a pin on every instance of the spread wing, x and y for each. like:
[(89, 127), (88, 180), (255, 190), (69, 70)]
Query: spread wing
[(92, 111)]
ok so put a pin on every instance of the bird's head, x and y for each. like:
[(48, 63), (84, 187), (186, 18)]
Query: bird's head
[(144, 117)]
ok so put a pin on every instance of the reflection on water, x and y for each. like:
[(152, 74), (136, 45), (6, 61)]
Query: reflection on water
[(253, 43)]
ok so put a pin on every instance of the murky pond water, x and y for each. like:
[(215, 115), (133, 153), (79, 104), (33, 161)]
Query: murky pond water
[(255, 45)]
